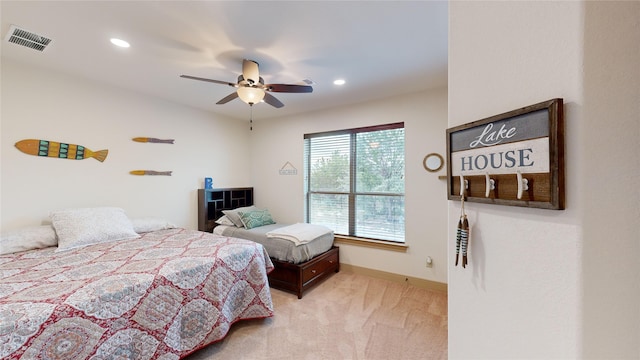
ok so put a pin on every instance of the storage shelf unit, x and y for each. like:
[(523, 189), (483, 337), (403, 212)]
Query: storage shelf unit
[(212, 201)]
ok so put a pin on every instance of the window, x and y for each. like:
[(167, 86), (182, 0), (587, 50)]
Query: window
[(354, 181)]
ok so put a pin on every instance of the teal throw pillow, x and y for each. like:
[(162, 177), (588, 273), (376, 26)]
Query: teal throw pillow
[(255, 218)]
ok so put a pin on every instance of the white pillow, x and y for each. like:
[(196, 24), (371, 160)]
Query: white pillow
[(33, 237), (81, 227), (224, 220), (235, 217), (147, 224)]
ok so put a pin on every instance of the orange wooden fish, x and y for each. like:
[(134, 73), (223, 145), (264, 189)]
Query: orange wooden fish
[(59, 150)]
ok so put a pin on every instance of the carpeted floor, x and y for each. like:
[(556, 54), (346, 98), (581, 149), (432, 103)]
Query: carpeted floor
[(348, 316)]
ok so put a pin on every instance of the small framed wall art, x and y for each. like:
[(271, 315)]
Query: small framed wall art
[(515, 158)]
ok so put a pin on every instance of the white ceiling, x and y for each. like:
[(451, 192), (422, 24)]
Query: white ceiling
[(380, 48)]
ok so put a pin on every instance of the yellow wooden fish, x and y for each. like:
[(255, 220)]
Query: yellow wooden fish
[(59, 150)]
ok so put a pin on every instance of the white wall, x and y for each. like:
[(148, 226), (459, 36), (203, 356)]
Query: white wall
[(545, 283), (37, 104), (53, 106), (274, 142), (611, 177)]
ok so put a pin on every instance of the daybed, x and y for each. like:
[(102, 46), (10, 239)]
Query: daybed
[(298, 266), (156, 295)]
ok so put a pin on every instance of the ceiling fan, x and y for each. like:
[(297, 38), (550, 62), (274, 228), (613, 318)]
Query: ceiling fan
[(252, 89)]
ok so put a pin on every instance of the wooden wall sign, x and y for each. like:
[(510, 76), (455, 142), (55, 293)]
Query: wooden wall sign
[(515, 158)]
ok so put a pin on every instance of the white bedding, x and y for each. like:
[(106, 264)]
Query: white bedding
[(279, 249), (299, 233)]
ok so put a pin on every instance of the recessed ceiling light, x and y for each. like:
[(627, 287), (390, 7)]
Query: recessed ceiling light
[(339, 82), (120, 43)]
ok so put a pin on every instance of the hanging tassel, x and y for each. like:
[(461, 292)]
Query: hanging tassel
[(459, 230)]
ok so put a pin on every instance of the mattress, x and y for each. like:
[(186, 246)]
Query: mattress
[(279, 249)]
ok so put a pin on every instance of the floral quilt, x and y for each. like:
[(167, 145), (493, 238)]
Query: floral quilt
[(161, 296)]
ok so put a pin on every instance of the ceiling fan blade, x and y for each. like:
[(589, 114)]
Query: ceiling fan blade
[(289, 88), (250, 71), (271, 100), (208, 80), (228, 98)]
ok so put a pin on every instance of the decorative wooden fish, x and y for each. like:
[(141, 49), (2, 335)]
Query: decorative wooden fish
[(153, 140), (465, 240), (150, 172), (458, 240), (462, 235), (59, 150)]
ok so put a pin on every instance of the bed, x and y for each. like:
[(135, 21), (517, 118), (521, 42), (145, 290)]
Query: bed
[(298, 267), (160, 294)]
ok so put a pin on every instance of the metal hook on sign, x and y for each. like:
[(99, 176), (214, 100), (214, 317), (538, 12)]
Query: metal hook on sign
[(523, 184), (464, 185), (490, 184)]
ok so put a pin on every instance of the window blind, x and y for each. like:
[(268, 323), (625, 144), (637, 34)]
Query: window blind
[(354, 181)]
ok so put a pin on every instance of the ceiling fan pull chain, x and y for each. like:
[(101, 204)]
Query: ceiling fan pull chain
[(251, 118)]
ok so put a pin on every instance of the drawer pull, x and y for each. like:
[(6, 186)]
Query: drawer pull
[(313, 271)]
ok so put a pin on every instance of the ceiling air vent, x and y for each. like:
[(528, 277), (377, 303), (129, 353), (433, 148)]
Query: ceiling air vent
[(27, 38)]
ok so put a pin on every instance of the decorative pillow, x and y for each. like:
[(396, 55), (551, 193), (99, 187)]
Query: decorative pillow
[(81, 227), (33, 237), (255, 218), (235, 217), (147, 224), (224, 220)]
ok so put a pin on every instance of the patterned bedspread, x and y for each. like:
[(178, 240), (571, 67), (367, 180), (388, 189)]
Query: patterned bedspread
[(162, 296)]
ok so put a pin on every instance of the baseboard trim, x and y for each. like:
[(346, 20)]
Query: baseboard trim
[(421, 283)]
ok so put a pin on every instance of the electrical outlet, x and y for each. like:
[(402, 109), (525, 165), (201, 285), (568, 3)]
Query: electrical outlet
[(429, 262)]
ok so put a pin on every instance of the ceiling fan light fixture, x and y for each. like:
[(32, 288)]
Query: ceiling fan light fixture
[(120, 43), (255, 90), (250, 95)]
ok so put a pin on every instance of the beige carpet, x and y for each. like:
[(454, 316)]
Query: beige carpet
[(348, 316)]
